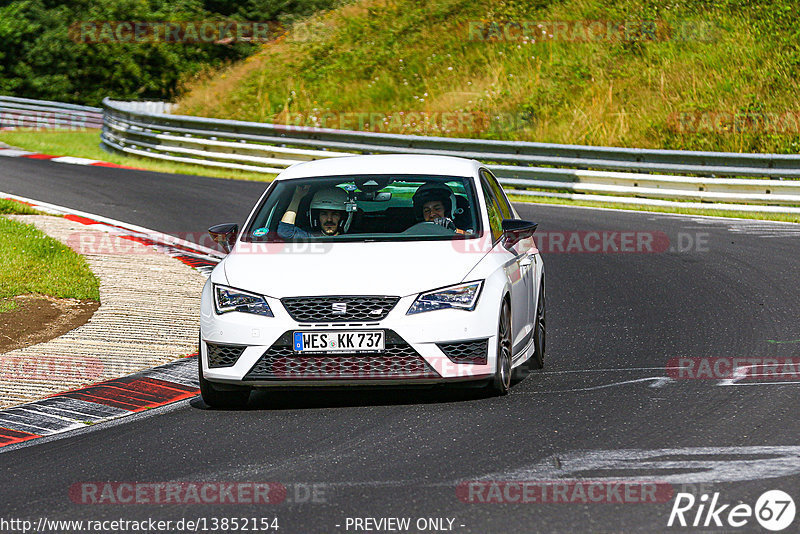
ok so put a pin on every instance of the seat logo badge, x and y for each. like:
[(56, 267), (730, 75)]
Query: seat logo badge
[(339, 308)]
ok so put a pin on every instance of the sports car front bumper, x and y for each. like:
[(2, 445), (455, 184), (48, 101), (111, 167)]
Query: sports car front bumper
[(426, 348)]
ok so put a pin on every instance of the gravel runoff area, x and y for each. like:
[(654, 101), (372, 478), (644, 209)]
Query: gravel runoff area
[(148, 315)]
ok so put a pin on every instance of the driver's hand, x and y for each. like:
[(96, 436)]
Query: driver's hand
[(445, 222), (301, 191)]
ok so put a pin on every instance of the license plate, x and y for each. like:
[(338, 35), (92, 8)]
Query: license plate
[(360, 341)]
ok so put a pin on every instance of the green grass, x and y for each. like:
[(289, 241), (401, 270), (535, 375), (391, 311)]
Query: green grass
[(86, 144), (388, 57), (785, 217), (12, 207), (34, 263)]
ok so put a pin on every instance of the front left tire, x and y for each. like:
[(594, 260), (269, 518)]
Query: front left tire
[(539, 331), (501, 382)]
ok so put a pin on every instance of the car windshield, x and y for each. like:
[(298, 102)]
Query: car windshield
[(367, 207)]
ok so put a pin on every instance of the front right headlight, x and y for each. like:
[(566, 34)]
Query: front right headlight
[(460, 297), (227, 299)]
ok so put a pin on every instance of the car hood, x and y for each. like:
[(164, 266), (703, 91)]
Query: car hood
[(373, 268)]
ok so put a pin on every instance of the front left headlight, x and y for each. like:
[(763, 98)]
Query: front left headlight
[(460, 297), (227, 299)]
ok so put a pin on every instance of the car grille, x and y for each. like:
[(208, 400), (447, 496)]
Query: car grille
[(338, 309), (223, 355), (474, 352), (398, 360)]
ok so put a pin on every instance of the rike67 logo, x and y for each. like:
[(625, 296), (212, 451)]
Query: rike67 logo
[(774, 510)]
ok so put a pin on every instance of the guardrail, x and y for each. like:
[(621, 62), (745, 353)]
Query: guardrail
[(41, 114), (572, 171), (270, 148)]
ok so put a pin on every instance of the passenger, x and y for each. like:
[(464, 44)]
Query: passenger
[(327, 214)]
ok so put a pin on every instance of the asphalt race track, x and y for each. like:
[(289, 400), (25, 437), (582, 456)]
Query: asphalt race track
[(606, 408)]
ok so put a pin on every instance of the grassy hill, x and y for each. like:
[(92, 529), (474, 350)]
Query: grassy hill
[(718, 75)]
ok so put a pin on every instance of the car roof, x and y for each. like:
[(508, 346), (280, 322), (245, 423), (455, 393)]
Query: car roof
[(383, 164)]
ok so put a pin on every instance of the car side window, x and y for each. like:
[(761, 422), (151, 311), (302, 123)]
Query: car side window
[(500, 195), (495, 214)]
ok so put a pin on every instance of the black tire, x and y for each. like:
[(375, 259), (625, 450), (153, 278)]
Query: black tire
[(501, 381), (539, 330), (222, 399)]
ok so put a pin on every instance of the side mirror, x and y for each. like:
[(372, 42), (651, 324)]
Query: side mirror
[(225, 235), (515, 230)]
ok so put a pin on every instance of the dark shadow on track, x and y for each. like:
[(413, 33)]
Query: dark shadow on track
[(294, 399)]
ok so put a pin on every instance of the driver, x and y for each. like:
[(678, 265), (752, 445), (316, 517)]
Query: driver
[(435, 203), (327, 214)]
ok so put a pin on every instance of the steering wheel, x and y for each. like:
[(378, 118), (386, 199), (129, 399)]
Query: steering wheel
[(428, 228)]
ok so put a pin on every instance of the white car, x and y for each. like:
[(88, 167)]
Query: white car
[(373, 270)]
